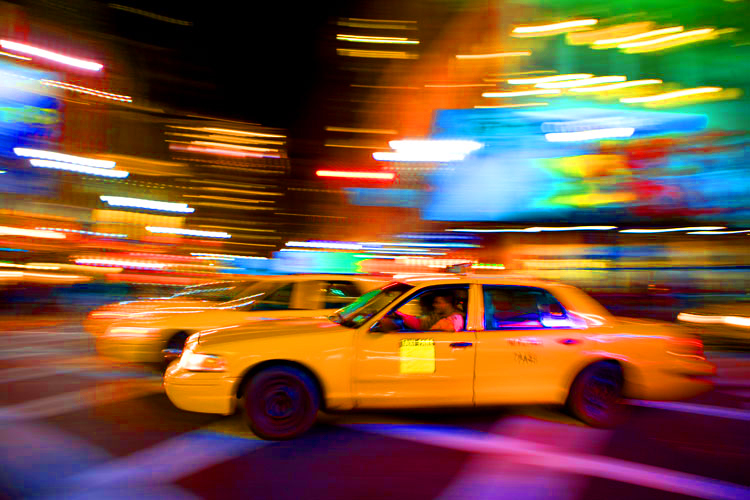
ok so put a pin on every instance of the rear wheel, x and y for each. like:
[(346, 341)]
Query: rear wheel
[(596, 395), (281, 403)]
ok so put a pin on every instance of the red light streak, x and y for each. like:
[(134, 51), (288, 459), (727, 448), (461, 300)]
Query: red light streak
[(353, 174)]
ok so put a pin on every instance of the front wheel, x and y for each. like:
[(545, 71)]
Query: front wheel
[(281, 403), (596, 393)]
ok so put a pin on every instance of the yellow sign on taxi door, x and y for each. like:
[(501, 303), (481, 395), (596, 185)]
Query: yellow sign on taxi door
[(417, 355)]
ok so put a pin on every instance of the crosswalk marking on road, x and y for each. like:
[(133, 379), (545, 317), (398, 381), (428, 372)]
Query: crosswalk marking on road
[(170, 460), (68, 402), (529, 453)]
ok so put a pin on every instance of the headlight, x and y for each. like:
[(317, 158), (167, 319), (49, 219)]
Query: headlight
[(202, 362), (133, 331)]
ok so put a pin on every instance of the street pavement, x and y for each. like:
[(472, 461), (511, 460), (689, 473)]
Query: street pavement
[(73, 425)]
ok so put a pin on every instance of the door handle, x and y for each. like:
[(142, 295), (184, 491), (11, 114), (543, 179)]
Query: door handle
[(461, 344)]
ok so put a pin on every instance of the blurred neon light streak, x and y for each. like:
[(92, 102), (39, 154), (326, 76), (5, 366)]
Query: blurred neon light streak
[(126, 264), (616, 86), (457, 85), (494, 56), (647, 34), (582, 82), (46, 54), (535, 229), (78, 231), (121, 201), (547, 79), (51, 155), (524, 105), (673, 229), (428, 245), (437, 157), (555, 27), (234, 146), (242, 132), (671, 95), (620, 30), (225, 256), (220, 152), (655, 41), (356, 175), (86, 90), (589, 135), (377, 54), (32, 233), (188, 232), (324, 244), (14, 56), (435, 145), (362, 130), (376, 39), (102, 172), (720, 232), (150, 14), (521, 93)]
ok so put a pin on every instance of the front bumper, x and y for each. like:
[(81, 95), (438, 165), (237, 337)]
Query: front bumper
[(137, 350), (202, 392)]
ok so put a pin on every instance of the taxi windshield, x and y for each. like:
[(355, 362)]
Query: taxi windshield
[(359, 311), (248, 296)]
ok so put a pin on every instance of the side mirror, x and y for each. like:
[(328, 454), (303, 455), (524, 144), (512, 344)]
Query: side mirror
[(376, 327)]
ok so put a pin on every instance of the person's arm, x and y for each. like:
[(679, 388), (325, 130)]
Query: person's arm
[(453, 323), (410, 321)]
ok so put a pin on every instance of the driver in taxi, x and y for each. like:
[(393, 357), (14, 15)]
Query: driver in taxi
[(444, 317)]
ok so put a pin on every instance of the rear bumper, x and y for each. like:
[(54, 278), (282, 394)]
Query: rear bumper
[(201, 392), (136, 350), (683, 380)]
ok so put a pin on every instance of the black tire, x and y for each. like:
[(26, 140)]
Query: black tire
[(177, 341), (281, 402), (596, 395)]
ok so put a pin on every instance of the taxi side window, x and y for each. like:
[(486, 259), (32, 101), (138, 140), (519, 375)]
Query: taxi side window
[(422, 308), (338, 294), (277, 300), (522, 308)]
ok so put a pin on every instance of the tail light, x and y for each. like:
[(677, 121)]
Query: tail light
[(687, 347)]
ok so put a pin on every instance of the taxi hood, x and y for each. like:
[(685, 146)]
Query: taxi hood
[(261, 329)]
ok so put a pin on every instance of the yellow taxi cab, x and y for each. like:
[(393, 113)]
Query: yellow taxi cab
[(98, 320), (516, 341), (153, 336)]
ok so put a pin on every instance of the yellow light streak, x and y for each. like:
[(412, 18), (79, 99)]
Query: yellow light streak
[(494, 56), (376, 39), (377, 54), (621, 30), (668, 42), (233, 146), (582, 82), (580, 23), (671, 95), (547, 79), (14, 56), (521, 93), (616, 86), (655, 41), (646, 34)]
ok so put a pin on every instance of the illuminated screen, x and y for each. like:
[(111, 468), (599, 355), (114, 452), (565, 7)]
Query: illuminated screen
[(544, 166)]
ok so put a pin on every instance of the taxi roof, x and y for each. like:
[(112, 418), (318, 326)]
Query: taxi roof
[(495, 279)]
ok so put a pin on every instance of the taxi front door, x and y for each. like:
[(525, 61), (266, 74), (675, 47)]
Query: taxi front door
[(414, 369)]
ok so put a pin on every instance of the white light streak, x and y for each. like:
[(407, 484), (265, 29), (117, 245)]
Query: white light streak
[(582, 82), (79, 231), (127, 264), (673, 229), (720, 232), (435, 145), (222, 256), (671, 95), (376, 39), (86, 90), (590, 135), (655, 41), (549, 79), (188, 232), (647, 34), (555, 27), (437, 157), (46, 54), (102, 172), (121, 201), (355, 174), (535, 229), (521, 93), (32, 233), (616, 86), (51, 155)]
